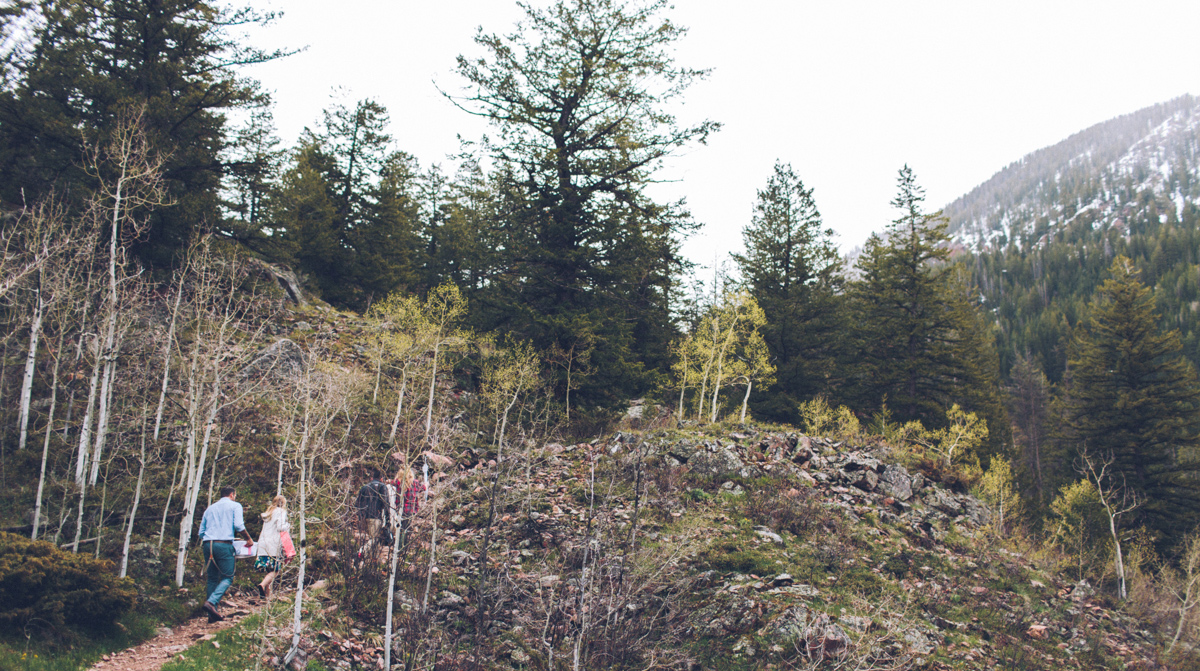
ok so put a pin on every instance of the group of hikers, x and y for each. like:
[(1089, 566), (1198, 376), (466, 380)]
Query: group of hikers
[(382, 507)]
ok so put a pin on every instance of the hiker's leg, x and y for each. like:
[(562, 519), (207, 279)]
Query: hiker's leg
[(212, 573), (223, 560)]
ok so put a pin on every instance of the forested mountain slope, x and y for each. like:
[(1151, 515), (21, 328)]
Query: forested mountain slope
[(1044, 230)]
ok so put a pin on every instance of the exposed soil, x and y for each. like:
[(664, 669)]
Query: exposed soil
[(151, 655)]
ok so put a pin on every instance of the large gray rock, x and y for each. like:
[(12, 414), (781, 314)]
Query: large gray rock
[(940, 499), (282, 359), (977, 512), (864, 480), (896, 483)]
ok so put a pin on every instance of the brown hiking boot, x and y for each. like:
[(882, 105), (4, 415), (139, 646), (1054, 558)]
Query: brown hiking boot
[(213, 615)]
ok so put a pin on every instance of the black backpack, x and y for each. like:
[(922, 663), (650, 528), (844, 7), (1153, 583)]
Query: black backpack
[(372, 501)]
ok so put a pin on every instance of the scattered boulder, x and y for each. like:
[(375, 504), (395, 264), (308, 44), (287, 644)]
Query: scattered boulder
[(896, 482), (769, 535), (977, 512), (940, 499), (282, 359)]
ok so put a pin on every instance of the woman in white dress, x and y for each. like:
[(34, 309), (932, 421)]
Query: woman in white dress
[(269, 546)]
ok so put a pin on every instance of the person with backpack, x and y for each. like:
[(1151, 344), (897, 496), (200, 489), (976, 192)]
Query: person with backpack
[(372, 507)]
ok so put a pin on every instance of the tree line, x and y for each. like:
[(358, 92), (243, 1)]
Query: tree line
[(118, 145)]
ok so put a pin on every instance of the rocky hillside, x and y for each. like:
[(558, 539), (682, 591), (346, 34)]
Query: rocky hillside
[(695, 549)]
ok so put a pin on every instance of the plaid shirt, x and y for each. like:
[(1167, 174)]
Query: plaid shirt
[(412, 497)]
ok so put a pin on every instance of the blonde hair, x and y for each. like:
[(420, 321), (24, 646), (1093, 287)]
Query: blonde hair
[(278, 502), (405, 475)]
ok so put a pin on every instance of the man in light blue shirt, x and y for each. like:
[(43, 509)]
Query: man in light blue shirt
[(221, 522)]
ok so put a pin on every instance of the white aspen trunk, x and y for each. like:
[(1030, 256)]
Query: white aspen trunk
[(162, 393), (35, 331), (106, 385), (1112, 527), (432, 387), (212, 476), (387, 626), (291, 654), (432, 552), (37, 506), (682, 387), (79, 517), (137, 497), (108, 352), (103, 502), (583, 579), (746, 400), (716, 393), (162, 529), (703, 391), (279, 479), (399, 406), (194, 481), (85, 429)]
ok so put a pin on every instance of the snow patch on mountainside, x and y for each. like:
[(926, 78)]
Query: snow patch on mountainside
[(1102, 175)]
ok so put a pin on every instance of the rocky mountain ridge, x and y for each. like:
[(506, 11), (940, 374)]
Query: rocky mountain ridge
[(1149, 159)]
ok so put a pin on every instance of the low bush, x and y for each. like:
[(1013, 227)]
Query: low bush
[(44, 585)]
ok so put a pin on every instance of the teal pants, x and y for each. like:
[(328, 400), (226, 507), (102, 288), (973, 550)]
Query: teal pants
[(219, 565)]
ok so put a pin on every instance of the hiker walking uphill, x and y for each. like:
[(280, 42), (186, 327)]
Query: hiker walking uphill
[(272, 546), (409, 489), (221, 522), (372, 505)]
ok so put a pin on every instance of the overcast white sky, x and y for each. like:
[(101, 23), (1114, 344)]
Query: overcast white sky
[(846, 91)]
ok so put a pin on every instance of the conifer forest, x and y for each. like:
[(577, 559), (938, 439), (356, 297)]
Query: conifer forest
[(971, 443)]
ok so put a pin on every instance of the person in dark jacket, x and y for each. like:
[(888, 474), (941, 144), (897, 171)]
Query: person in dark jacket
[(372, 506)]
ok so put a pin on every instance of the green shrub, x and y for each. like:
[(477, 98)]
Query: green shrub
[(39, 582)]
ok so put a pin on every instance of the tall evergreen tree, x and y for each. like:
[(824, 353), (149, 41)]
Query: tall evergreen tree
[(1134, 398), (922, 343), (1029, 404), (87, 62), (579, 94), (791, 267)]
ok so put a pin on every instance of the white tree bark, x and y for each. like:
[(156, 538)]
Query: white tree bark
[(35, 331), (37, 507), (399, 406), (391, 602), (303, 555), (137, 497), (195, 478), (162, 393), (746, 399), (85, 428)]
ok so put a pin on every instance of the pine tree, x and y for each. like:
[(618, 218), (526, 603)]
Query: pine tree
[(87, 63), (921, 342), (1029, 404), (791, 267), (579, 96), (1135, 398)]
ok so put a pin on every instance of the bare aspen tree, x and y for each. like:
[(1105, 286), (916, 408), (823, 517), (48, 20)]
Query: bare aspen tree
[(1117, 500), (1186, 589), (444, 307), (574, 361), (37, 506), (215, 317), (129, 175), (322, 392)]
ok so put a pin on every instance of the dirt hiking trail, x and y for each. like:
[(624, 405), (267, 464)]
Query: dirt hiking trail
[(152, 654)]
